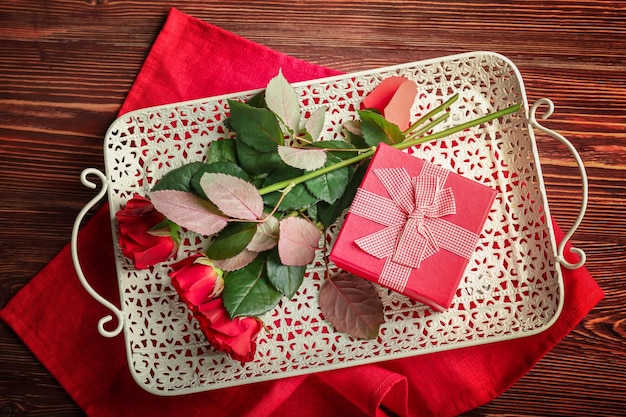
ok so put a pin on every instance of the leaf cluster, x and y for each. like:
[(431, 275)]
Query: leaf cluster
[(263, 238), (266, 195)]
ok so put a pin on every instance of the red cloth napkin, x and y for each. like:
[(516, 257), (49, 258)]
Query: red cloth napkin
[(192, 59)]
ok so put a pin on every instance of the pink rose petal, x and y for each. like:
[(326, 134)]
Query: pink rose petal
[(398, 111), (381, 95)]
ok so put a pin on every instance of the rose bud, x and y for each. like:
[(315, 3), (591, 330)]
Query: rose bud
[(393, 98), (196, 280), (234, 336), (138, 244)]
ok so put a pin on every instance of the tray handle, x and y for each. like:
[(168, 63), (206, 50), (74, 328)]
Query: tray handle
[(74, 248), (583, 174)]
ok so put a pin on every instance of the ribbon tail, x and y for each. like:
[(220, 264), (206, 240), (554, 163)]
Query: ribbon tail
[(380, 244), (394, 275), (453, 238), (399, 185), (376, 208), (436, 171)]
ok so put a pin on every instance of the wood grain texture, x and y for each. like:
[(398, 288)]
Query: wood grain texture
[(66, 65)]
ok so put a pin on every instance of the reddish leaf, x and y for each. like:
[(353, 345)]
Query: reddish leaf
[(266, 236), (236, 262), (354, 127), (188, 210), (298, 241), (315, 124), (282, 99), (351, 304), (233, 196)]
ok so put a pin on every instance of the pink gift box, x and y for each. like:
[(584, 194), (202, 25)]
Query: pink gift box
[(412, 227)]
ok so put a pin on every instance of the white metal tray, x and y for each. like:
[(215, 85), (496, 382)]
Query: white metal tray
[(512, 287)]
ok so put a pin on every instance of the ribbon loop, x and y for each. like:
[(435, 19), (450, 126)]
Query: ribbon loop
[(412, 215)]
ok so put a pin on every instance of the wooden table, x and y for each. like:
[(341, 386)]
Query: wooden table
[(65, 67)]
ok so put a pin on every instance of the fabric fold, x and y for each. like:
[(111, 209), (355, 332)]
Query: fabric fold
[(57, 319), (381, 393), (192, 59)]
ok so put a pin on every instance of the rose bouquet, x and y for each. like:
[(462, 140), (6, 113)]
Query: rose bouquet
[(264, 194)]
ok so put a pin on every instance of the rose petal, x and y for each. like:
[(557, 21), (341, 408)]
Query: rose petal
[(381, 95), (398, 111), (235, 337), (196, 280), (135, 221)]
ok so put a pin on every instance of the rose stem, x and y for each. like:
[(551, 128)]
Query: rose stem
[(413, 135), (402, 145), (426, 128), (431, 113)]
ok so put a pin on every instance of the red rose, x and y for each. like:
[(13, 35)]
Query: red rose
[(197, 280), (137, 243), (234, 336)]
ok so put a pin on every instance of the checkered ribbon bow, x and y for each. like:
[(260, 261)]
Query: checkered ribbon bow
[(414, 228)]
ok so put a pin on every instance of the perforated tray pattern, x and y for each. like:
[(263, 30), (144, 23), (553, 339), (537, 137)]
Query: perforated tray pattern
[(512, 287)]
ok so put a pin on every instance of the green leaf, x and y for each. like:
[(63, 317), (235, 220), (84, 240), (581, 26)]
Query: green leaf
[(330, 186), (354, 134), (298, 197), (167, 228), (179, 179), (255, 162), (257, 128), (248, 292), (232, 240), (286, 279), (257, 100), (377, 129), (224, 167), (328, 213), (311, 211), (223, 150)]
